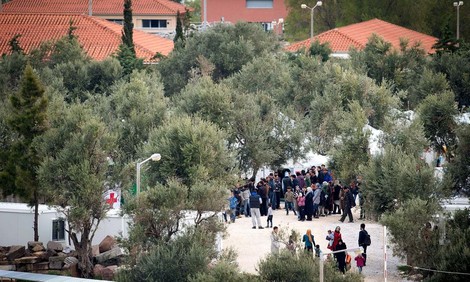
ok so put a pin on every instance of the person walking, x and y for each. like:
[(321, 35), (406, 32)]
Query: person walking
[(275, 243), (255, 203), (289, 201), (364, 241), (233, 202), (349, 203), (246, 201), (309, 241), (316, 200)]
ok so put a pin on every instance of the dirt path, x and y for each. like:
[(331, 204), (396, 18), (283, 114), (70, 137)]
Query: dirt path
[(254, 244)]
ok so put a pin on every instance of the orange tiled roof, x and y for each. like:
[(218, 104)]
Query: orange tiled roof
[(100, 38), (356, 35), (99, 7)]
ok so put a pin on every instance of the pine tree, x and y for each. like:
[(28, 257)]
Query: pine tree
[(126, 54), (15, 44), (179, 28), (28, 120)]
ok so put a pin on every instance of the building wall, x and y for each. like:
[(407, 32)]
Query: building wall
[(235, 10), (137, 20)]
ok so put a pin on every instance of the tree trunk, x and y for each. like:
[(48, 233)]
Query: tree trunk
[(36, 216), (83, 249), (255, 172)]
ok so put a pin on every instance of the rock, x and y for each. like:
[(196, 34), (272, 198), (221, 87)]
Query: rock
[(97, 270), (51, 253), (41, 255), (72, 270), (95, 250), (56, 262), (60, 254), (8, 267), (70, 261), (26, 260), (108, 272), (55, 246), (107, 244), (38, 248), (40, 266), (15, 252), (33, 244), (113, 254)]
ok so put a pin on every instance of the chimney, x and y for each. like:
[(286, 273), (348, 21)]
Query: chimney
[(90, 7)]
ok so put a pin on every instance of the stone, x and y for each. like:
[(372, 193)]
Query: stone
[(40, 266), (95, 250), (32, 244), (16, 252), (72, 270), (113, 254), (51, 253), (41, 255), (97, 270), (38, 248), (8, 267), (107, 244), (108, 272), (55, 246), (56, 262), (26, 260), (70, 261)]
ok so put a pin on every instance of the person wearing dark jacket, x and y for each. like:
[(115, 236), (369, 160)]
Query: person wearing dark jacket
[(309, 204), (348, 205), (336, 199), (341, 256), (286, 182), (362, 241)]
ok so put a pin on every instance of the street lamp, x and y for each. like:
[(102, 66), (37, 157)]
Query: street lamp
[(304, 6), (458, 4), (155, 158)]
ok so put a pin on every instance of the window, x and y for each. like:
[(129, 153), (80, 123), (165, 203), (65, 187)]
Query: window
[(118, 21), (58, 229), (259, 3), (154, 23)]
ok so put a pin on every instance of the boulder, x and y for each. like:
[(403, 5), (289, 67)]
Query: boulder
[(16, 252), (112, 255), (38, 248), (40, 266), (95, 250), (8, 267), (55, 246), (33, 244), (97, 270), (41, 255), (108, 272), (51, 253), (70, 261), (107, 244), (56, 262), (26, 260)]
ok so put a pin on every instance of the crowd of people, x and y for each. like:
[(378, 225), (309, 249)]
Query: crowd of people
[(308, 194)]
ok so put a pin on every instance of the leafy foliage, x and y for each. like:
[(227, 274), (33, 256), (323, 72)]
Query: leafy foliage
[(437, 113), (226, 47), (393, 178), (458, 173), (275, 268), (410, 227)]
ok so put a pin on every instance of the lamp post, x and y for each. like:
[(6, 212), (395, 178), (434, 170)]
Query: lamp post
[(155, 158), (458, 4), (304, 6)]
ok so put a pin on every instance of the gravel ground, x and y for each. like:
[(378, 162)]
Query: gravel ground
[(254, 244)]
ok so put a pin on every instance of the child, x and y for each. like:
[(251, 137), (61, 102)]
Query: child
[(359, 262), (330, 238), (291, 244), (270, 216), (317, 251)]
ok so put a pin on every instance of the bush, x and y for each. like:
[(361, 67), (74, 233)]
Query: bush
[(301, 267)]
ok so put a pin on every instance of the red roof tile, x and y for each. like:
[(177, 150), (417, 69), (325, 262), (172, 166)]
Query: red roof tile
[(100, 38), (357, 35), (99, 7)]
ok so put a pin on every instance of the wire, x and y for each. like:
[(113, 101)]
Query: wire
[(439, 271)]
